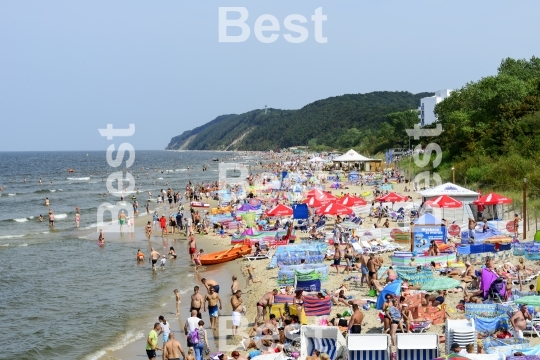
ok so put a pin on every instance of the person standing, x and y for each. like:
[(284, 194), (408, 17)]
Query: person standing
[(355, 323), (152, 342), (165, 328), (202, 341), (178, 300), (77, 219), (51, 218), (236, 303), (235, 285), (210, 283), (192, 248), (213, 299), (163, 224), (122, 220), (196, 302), (154, 257), (191, 324), (251, 276), (172, 349), (148, 229), (337, 256)]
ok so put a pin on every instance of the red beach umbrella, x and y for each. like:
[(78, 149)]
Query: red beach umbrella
[(280, 210), (349, 200), (312, 202), (334, 209), (445, 201), (392, 197), (492, 199)]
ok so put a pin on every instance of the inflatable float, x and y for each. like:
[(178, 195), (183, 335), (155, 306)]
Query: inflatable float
[(220, 257)]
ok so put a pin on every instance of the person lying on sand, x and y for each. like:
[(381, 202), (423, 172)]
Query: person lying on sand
[(466, 275)]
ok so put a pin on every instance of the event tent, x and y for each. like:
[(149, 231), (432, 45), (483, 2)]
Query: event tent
[(351, 157), (457, 192)]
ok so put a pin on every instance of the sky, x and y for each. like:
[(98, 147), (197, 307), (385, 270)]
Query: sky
[(69, 68)]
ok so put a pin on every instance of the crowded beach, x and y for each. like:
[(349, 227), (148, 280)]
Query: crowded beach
[(338, 257)]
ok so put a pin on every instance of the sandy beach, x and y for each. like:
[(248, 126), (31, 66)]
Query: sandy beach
[(251, 294)]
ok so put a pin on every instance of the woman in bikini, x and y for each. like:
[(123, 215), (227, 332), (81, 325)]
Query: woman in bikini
[(172, 253), (298, 300)]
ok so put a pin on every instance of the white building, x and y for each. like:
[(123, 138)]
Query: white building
[(427, 106)]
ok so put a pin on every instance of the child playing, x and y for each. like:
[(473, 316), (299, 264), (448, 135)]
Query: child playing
[(178, 301), (190, 355), (198, 260), (163, 260)]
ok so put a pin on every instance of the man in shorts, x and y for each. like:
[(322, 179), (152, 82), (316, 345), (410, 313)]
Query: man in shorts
[(172, 349), (236, 303), (154, 257), (163, 224), (213, 299), (210, 283), (152, 342), (196, 302), (122, 219), (337, 256)]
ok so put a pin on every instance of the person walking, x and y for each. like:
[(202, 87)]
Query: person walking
[(152, 342), (201, 344)]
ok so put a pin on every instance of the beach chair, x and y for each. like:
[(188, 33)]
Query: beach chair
[(326, 339), (369, 347), (266, 255), (391, 246), (367, 247), (417, 346)]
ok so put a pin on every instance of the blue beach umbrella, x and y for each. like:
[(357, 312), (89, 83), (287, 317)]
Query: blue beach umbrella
[(394, 288)]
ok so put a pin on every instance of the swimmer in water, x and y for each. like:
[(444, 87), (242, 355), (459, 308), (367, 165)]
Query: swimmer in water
[(40, 218), (101, 238)]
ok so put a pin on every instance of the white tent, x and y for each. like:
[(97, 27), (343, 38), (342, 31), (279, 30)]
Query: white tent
[(352, 156), (452, 190), (316, 159)]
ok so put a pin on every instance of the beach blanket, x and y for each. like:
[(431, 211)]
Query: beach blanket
[(489, 317)]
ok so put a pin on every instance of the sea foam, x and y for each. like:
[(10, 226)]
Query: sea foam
[(78, 179)]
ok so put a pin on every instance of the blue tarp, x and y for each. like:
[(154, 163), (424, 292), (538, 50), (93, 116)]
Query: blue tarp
[(481, 248), (479, 236)]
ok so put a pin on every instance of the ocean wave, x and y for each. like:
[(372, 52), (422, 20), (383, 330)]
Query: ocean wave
[(78, 179), (20, 220), (160, 178), (23, 245), (12, 194), (52, 190), (4, 245), (60, 216), (124, 340), (11, 236), (30, 217)]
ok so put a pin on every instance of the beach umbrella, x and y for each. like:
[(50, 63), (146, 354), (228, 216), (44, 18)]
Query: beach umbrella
[(349, 200), (441, 283), (492, 199), (312, 202), (392, 197), (445, 202), (334, 209), (532, 300), (280, 210), (314, 192)]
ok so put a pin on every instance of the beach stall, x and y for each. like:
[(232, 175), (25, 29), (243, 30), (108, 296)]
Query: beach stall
[(465, 196)]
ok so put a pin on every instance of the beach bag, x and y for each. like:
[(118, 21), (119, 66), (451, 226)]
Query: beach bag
[(193, 336), (303, 318)]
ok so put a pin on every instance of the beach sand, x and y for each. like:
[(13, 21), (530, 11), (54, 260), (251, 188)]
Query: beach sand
[(252, 293)]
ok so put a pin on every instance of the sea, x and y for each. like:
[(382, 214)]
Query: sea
[(61, 295)]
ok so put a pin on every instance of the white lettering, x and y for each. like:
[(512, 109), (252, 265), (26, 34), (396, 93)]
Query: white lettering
[(259, 28), (432, 147), (224, 23), (120, 155), (118, 176), (318, 18), (289, 25), (110, 132)]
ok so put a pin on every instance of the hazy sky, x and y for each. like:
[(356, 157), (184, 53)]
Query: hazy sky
[(68, 68)]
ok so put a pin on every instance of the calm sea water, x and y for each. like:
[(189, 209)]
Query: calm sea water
[(62, 296)]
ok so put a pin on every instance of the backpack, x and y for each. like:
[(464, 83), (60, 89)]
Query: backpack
[(193, 336), (497, 289)]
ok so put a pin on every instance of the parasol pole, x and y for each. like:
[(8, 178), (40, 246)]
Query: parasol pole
[(523, 218)]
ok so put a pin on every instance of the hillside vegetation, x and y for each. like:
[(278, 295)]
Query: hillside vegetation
[(357, 120), (492, 130)]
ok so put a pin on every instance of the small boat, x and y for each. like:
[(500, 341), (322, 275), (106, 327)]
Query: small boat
[(220, 257), (199, 204)]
